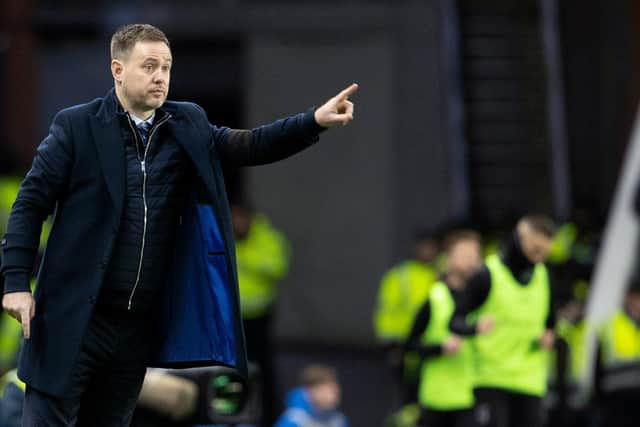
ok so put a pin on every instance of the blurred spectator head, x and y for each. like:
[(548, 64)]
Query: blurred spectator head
[(321, 384), (573, 309), (425, 246), (536, 233), (463, 249), (632, 299), (241, 220)]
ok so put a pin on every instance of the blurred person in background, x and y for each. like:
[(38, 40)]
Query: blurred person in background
[(507, 306), (137, 186), (571, 263), (11, 399), (315, 402), (262, 254), (617, 380), (573, 253), (568, 406), (403, 290), (446, 382)]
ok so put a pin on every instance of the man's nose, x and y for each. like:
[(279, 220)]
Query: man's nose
[(160, 76)]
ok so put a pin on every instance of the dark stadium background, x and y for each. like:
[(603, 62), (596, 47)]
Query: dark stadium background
[(468, 112)]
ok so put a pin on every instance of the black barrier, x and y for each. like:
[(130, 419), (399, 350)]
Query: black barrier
[(224, 397)]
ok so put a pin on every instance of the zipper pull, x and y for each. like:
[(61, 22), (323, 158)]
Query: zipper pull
[(143, 166)]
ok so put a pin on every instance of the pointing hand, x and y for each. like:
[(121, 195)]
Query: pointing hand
[(337, 110)]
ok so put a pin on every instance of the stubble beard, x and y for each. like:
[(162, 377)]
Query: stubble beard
[(142, 102)]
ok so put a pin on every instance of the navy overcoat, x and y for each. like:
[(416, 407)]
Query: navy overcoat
[(78, 174)]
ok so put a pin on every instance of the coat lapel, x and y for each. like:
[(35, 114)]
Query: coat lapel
[(108, 139), (194, 144)]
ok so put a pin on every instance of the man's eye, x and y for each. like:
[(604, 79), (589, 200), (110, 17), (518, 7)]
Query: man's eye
[(148, 67)]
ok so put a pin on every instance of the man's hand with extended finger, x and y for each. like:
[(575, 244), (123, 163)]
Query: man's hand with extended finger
[(338, 110), (21, 306)]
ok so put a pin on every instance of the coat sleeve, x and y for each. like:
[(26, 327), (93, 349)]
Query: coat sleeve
[(40, 190), (420, 324), (265, 144)]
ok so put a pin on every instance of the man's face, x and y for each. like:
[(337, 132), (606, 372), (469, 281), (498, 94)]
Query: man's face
[(144, 75), (535, 245), (425, 250), (326, 396), (464, 258)]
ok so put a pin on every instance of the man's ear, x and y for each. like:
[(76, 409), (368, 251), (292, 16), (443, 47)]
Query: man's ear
[(116, 70)]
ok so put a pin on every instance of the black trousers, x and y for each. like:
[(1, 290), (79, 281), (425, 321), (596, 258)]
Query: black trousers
[(106, 380), (433, 418), (621, 410), (259, 351), (502, 408)]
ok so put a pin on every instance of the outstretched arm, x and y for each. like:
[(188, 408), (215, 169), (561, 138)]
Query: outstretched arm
[(419, 326), (284, 137)]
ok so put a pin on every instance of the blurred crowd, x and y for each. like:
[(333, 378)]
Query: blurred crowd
[(477, 328), (492, 331)]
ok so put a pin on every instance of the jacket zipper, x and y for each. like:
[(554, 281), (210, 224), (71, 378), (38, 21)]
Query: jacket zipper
[(143, 167)]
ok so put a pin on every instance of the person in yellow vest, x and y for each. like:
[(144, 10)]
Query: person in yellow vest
[(262, 254), (568, 406), (446, 383), (510, 299), (618, 368), (403, 290)]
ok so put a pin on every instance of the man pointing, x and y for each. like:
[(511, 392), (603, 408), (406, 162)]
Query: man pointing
[(139, 269)]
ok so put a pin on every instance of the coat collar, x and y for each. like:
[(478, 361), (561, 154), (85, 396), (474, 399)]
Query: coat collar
[(110, 109), (106, 128)]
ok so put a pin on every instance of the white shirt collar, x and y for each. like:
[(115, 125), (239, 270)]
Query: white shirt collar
[(138, 120)]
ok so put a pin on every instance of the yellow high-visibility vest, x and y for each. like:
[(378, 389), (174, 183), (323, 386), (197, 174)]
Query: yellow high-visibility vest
[(402, 292), (562, 243), (620, 343), (262, 260), (446, 381), (508, 357), (9, 187)]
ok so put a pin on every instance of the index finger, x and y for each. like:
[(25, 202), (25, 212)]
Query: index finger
[(25, 319), (346, 93)]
